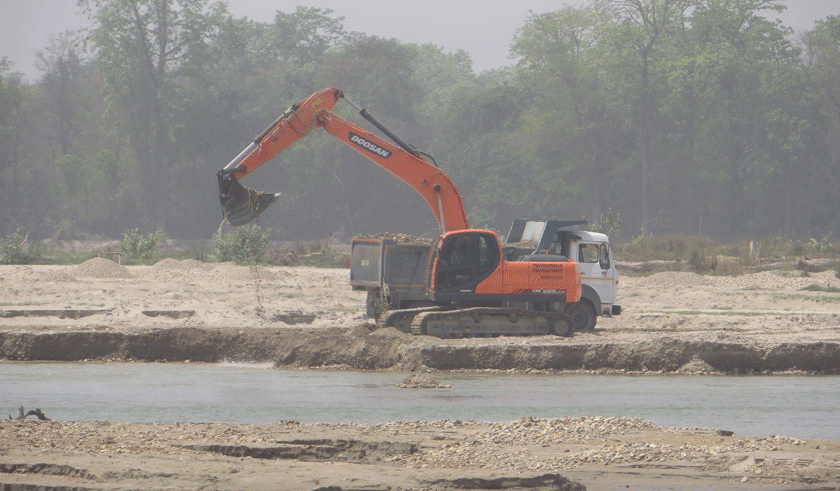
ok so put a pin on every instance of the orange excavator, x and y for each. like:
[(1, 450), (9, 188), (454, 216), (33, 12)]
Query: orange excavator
[(461, 283)]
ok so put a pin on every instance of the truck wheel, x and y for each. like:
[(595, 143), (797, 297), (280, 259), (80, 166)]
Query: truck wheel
[(563, 325), (583, 314)]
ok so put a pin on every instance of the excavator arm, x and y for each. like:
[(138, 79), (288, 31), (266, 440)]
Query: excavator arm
[(241, 204)]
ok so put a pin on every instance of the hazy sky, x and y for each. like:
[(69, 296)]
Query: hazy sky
[(475, 26)]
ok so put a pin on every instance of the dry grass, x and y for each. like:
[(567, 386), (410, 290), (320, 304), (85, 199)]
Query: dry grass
[(704, 255)]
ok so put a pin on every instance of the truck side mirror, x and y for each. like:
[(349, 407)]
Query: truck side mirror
[(604, 259)]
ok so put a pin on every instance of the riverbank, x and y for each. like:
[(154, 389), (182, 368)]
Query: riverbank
[(567, 454), (363, 348), (768, 322)]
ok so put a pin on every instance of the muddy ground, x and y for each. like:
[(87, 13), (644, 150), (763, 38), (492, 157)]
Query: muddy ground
[(303, 317)]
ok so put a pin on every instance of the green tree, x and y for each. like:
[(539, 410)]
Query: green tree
[(742, 52), (137, 246), (305, 36), (11, 101), (63, 75), (11, 250), (580, 126), (142, 47), (91, 193), (633, 47), (821, 47)]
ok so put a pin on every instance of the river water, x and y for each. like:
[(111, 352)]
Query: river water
[(795, 406)]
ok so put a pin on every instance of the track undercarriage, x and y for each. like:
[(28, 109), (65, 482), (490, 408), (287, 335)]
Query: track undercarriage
[(477, 322)]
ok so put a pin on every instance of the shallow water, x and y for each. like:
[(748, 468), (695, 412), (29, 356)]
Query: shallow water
[(802, 407)]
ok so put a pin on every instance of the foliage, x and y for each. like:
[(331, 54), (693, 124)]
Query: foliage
[(693, 249), (821, 288), (670, 118), (11, 250), (610, 225), (241, 245), (137, 246), (11, 129), (142, 47), (316, 254)]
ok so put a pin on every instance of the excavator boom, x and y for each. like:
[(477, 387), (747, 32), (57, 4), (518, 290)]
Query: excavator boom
[(242, 205)]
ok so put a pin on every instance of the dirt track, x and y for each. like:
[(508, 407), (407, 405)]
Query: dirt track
[(302, 317)]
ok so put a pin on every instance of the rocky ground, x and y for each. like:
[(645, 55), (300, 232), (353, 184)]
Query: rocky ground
[(303, 317)]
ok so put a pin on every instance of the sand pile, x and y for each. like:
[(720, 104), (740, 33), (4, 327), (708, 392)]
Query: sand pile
[(421, 381), (92, 268), (100, 268)]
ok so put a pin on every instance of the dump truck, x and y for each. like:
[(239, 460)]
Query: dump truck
[(591, 250)]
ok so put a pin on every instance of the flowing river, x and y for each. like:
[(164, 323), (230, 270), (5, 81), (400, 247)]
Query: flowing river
[(795, 406)]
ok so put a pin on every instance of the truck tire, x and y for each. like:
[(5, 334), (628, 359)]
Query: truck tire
[(583, 314), (563, 326)]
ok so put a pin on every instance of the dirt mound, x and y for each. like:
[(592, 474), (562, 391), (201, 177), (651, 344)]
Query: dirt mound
[(191, 264), (167, 263), (399, 238), (697, 366), (100, 268), (421, 381)]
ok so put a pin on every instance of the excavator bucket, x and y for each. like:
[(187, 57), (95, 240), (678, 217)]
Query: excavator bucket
[(241, 204)]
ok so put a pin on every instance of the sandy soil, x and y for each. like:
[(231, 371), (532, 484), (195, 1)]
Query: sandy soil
[(303, 317)]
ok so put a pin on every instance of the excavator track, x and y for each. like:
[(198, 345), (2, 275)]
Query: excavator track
[(485, 322), (401, 319)]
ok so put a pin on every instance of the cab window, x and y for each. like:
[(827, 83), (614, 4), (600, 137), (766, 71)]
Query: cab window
[(487, 254), (589, 253)]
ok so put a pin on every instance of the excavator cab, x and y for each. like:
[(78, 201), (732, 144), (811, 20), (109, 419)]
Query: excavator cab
[(241, 204), (465, 259)]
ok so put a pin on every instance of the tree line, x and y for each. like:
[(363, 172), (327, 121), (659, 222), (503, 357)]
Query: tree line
[(678, 116)]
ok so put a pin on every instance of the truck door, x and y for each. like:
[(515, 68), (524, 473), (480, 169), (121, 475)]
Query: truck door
[(597, 270)]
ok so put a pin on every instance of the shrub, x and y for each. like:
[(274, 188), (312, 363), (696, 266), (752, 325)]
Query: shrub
[(669, 248), (609, 224), (11, 250), (138, 246), (242, 244)]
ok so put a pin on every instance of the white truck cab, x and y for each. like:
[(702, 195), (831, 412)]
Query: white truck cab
[(591, 250)]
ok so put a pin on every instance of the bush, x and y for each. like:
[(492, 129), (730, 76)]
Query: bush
[(11, 250), (242, 244), (669, 248), (609, 225), (138, 246)]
